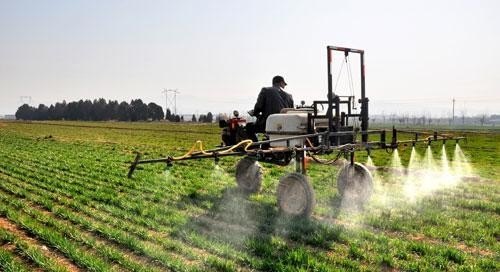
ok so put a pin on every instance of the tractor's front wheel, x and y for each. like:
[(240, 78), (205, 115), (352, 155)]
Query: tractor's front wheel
[(249, 175), (355, 183), (296, 195)]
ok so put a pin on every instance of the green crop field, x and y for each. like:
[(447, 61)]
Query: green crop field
[(67, 205)]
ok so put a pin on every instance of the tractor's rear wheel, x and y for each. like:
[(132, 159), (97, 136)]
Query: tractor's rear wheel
[(355, 183), (249, 175), (296, 195)]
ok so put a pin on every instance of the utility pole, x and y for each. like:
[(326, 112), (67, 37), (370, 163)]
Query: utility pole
[(175, 100), (453, 111), (166, 91), (166, 100)]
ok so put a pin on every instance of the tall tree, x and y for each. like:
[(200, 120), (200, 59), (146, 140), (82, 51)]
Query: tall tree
[(42, 112), (210, 118), (168, 115), (98, 112), (72, 111), (155, 112), (60, 111), (112, 110), (123, 111), (138, 110), (51, 113), (202, 118), (25, 112)]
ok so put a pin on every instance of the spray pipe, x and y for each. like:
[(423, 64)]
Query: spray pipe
[(247, 143), (394, 137), (134, 164)]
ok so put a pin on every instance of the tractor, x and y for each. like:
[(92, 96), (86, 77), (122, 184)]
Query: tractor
[(330, 127)]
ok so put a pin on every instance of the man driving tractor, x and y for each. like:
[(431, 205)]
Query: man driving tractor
[(271, 100)]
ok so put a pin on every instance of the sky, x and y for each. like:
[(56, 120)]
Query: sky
[(218, 54)]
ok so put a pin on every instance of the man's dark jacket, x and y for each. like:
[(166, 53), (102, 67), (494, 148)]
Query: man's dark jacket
[(271, 100)]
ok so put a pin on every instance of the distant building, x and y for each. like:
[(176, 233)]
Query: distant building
[(187, 117), (494, 119), (8, 117)]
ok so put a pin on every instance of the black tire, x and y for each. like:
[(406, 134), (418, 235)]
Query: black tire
[(296, 195), (249, 175), (355, 183)]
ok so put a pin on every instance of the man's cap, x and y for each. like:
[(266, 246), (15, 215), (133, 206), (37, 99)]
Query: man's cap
[(278, 79)]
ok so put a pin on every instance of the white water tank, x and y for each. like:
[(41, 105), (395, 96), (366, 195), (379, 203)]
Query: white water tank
[(281, 125)]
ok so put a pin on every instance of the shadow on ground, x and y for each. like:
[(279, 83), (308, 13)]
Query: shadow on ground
[(256, 228)]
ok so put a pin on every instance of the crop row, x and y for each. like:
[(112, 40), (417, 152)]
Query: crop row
[(353, 248), (8, 262), (72, 240), (83, 187), (25, 174), (128, 139), (108, 219), (110, 228), (129, 206), (74, 219), (51, 232), (34, 253), (90, 164)]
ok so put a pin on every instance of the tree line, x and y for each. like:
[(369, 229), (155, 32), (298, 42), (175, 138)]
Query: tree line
[(101, 110), (96, 110)]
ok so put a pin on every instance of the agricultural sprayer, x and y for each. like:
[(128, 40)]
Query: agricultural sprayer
[(324, 131)]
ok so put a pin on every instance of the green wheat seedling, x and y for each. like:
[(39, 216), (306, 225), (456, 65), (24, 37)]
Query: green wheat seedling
[(8, 263), (34, 253), (113, 235)]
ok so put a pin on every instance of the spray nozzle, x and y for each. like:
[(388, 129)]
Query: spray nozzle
[(216, 158), (169, 162)]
